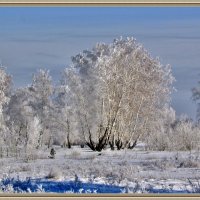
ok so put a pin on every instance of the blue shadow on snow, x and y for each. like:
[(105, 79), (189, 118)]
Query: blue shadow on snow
[(59, 187)]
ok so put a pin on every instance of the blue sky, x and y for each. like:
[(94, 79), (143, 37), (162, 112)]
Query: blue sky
[(33, 38)]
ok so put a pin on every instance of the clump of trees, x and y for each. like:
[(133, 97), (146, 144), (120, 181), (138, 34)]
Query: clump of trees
[(118, 89), (110, 96)]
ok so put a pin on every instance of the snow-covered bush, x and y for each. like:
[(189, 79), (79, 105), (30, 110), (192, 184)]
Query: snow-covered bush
[(159, 134), (186, 135), (177, 134)]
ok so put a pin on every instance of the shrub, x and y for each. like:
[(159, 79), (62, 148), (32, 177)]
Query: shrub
[(181, 135)]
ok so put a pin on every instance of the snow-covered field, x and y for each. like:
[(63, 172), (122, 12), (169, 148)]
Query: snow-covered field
[(84, 171)]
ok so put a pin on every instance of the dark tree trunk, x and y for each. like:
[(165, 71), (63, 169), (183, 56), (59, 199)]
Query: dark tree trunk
[(90, 143), (49, 142), (68, 142), (39, 140), (119, 144), (112, 143), (133, 145), (101, 144), (68, 133)]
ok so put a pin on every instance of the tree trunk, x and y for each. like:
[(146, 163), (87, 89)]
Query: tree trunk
[(112, 143), (68, 142), (119, 144), (68, 133), (133, 145), (101, 144)]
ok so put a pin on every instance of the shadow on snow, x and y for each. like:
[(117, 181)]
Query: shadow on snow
[(42, 185)]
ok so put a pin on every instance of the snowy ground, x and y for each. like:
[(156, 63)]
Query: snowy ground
[(82, 170)]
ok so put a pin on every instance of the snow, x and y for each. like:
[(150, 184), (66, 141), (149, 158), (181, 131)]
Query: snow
[(77, 186), (80, 170)]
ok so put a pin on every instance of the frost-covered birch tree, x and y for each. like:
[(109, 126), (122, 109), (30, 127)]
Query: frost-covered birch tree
[(196, 98), (62, 114), (5, 89), (24, 125), (26, 104), (40, 92), (33, 130), (117, 89)]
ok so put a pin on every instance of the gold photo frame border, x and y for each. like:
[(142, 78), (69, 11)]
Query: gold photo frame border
[(99, 3), (104, 3)]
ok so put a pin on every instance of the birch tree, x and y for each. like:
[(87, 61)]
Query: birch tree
[(24, 125), (26, 104), (196, 98), (117, 88), (62, 114), (5, 92), (40, 93)]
